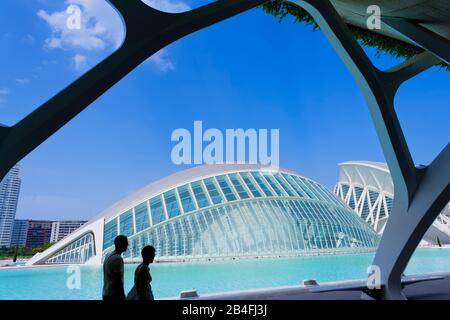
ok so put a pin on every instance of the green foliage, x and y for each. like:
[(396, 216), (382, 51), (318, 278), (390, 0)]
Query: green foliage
[(397, 48), (42, 248), (8, 253), (22, 252)]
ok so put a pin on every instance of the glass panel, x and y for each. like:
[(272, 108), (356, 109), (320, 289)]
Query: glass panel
[(313, 189), (172, 204), (344, 190), (358, 192), (186, 199), (157, 210), (365, 209), (294, 185), (373, 197), (199, 193), (212, 190), (141, 216), (389, 202), (262, 184), (109, 233), (273, 184), (284, 184), (226, 188), (352, 203), (249, 183), (126, 223), (304, 187), (238, 186), (329, 194)]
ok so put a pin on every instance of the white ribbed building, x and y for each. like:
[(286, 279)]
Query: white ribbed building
[(221, 212), (368, 189)]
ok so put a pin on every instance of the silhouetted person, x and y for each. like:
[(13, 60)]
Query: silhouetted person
[(142, 289), (113, 271)]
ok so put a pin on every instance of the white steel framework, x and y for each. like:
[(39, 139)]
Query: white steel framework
[(368, 189)]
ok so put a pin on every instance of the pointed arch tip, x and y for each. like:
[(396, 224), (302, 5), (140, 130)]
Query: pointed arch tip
[(3, 129)]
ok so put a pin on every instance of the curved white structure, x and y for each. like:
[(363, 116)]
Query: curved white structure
[(368, 189), (219, 212)]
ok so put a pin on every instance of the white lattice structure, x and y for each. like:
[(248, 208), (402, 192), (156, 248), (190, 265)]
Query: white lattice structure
[(368, 189)]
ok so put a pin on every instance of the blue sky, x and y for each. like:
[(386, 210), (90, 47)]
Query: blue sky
[(247, 72)]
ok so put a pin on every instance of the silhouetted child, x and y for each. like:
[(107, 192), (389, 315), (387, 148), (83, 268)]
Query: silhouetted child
[(142, 289)]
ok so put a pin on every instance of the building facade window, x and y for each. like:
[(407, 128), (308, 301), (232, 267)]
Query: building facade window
[(141, 217), (79, 251), (157, 209), (186, 199), (109, 233), (126, 223)]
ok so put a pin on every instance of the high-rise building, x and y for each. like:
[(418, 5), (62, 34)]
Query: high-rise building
[(33, 233), (9, 194), (39, 232), (61, 229), (20, 232)]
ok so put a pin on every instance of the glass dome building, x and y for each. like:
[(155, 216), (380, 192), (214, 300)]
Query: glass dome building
[(221, 212)]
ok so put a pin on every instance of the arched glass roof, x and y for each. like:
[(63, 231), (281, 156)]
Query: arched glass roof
[(210, 191)]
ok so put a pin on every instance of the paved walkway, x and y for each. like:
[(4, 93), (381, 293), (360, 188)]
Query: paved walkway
[(436, 288)]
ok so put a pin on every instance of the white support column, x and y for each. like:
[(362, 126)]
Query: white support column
[(420, 193)]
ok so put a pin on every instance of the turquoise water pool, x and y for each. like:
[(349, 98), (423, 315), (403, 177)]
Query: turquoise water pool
[(209, 277)]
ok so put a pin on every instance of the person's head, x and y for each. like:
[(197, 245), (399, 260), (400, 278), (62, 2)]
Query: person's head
[(148, 254), (121, 243)]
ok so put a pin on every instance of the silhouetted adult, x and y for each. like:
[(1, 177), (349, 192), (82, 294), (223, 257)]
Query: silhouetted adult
[(113, 271), (142, 289)]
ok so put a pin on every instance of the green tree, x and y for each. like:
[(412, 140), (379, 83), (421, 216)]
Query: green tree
[(22, 252), (383, 44), (42, 248)]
